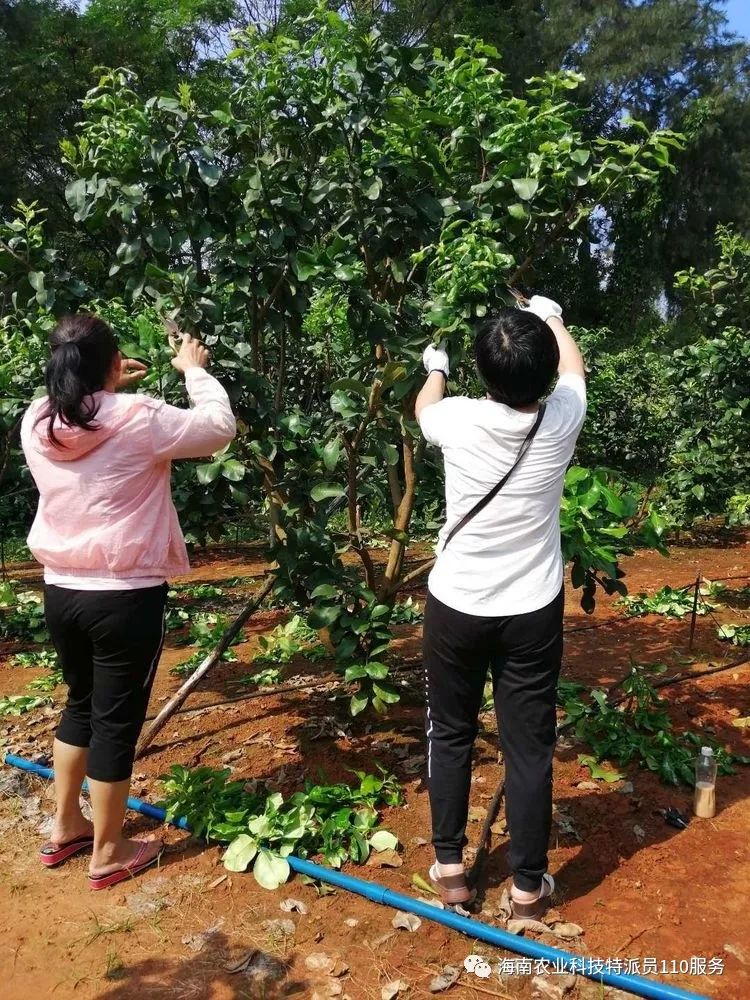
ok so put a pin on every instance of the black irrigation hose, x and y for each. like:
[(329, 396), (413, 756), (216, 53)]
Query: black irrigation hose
[(320, 684), (629, 618), (270, 691), (477, 869)]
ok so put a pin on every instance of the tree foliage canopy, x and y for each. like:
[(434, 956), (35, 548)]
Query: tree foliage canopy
[(321, 206)]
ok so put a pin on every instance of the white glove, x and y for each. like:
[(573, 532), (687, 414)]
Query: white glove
[(543, 308), (435, 359)]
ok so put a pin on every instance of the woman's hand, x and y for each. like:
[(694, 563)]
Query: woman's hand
[(130, 372), (571, 361), (435, 359), (543, 307), (437, 366), (192, 354)]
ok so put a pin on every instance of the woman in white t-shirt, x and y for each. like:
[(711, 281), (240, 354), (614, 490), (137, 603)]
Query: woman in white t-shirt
[(496, 592)]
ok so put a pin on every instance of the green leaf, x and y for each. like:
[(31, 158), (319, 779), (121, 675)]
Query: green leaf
[(326, 491), (419, 883), (355, 673), (324, 616), (306, 265), (398, 535), (518, 211), (373, 190), (240, 853), (210, 173), (233, 470), (376, 670), (598, 772), (331, 454), (344, 404), (358, 702), (270, 870), (484, 186), (208, 473), (324, 590), (36, 280), (392, 373), (260, 826), (576, 474), (386, 692), (158, 238), (382, 840), (128, 251), (345, 272), (320, 190), (399, 269), (351, 385), (390, 453), (346, 647), (75, 194), (525, 187)]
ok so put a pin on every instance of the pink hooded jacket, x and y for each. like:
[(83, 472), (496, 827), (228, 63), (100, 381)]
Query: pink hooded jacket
[(106, 518)]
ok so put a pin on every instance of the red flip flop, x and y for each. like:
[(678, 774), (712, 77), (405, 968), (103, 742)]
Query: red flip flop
[(54, 854), (129, 871)]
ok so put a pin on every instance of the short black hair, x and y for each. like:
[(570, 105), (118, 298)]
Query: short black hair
[(517, 357)]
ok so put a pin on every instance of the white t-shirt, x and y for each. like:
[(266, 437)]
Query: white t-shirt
[(506, 560)]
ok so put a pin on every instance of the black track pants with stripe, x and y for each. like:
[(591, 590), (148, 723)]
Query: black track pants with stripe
[(523, 653)]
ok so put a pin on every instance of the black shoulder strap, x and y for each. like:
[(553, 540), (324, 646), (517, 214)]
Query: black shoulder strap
[(481, 504)]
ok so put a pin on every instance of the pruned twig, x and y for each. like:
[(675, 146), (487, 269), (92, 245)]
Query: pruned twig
[(201, 671)]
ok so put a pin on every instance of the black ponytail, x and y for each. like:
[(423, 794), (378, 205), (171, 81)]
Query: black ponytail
[(83, 352)]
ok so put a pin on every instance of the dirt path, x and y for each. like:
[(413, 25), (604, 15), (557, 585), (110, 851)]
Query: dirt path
[(641, 890)]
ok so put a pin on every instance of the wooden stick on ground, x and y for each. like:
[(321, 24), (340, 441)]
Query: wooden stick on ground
[(200, 672), (694, 616), (477, 869)]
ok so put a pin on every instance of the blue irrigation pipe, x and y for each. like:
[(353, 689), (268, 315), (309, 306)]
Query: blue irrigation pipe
[(559, 960), (144, 808)]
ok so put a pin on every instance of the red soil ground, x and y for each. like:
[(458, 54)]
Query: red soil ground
[(639, 888)]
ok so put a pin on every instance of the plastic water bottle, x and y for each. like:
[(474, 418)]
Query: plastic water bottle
[(705, 784)]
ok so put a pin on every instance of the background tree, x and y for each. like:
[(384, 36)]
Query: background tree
[(49, 51), (670, 63)]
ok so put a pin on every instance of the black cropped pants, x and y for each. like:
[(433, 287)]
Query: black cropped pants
[(108, 643), (524, 653)]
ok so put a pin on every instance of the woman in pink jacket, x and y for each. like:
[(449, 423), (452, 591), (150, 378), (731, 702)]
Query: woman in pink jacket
[(107, 534)]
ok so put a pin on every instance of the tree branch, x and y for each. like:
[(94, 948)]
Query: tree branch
[(4, 246), (418, 571), (392, 576), (395, 487), (282, 369), (564, 223), (269, 301), (355, 538), (9, 446)]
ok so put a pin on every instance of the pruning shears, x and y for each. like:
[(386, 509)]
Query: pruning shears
[(520, 298), (173, 333), (673, 817)]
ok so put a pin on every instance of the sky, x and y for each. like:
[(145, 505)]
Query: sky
[(738, 12)]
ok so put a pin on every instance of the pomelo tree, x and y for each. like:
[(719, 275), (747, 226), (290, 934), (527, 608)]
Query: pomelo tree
[(348, 201)]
